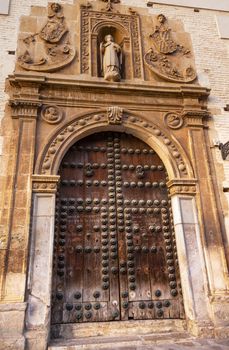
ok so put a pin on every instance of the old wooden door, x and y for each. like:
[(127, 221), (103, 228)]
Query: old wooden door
[(115, 253)]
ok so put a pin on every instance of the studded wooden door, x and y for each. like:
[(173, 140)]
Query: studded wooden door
[(115, 253)]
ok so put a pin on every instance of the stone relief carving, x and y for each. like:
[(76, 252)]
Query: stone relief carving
[(49, 49), (109, 6), (114, 115), (173, 120), (111, 59), (167, 58), (52, 114)]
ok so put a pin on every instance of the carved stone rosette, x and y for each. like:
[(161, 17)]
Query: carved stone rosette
[(52, 114), (173, 120)]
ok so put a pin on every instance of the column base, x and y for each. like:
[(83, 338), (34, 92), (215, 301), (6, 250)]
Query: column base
[(12, 318)]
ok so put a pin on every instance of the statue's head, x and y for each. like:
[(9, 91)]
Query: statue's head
[(55, 7), (108, 38), (161, 18)]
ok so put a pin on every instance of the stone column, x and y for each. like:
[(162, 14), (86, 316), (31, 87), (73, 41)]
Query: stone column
[(41, 255), (191, 258), (20, 131)]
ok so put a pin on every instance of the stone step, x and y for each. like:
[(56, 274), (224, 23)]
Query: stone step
[(119, 328), (119, 342)]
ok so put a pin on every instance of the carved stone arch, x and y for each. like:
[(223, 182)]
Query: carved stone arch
[(169, 150)]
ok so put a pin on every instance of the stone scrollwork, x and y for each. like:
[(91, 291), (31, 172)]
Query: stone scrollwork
[(114, 115), (49, 49), (173, 120), (52, 114), (166, 57)]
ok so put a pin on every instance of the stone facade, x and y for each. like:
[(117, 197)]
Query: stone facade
[(58, 95)]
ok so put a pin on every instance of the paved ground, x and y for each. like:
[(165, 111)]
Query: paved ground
[(143, 343)]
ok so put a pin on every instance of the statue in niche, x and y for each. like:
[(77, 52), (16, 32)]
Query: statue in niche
[(111, 59)]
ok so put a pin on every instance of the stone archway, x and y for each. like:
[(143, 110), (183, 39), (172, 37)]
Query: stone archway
[(182, 189)]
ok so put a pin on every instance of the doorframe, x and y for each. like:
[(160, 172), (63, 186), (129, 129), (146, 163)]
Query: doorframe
[(183, 190)]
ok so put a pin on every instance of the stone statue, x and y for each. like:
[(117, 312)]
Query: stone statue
[(111, 59)]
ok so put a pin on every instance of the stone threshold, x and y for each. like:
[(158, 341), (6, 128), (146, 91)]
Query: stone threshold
[(112, 335), (120, 342)]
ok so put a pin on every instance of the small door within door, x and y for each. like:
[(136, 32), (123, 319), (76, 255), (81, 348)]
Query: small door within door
[(115, 250)]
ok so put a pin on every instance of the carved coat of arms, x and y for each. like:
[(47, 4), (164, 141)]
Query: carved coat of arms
[(166, 57)]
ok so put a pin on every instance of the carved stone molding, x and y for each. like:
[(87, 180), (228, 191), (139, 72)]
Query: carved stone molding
[(173, 120), (167, 58), (52, 114), (24, 109), (219, 298), (45, 184), (114, 115), (50, 48), (46, 163), (182, 186), (195, 118)]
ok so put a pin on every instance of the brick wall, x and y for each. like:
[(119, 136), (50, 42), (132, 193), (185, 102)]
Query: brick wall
[(211, 54)]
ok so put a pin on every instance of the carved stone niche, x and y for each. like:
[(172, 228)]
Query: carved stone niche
[(125, 30)]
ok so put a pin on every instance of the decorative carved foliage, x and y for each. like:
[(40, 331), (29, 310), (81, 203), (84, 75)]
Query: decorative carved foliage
[(167, 58), (173, 120), (114, 115), (49, 49), (52, 114)]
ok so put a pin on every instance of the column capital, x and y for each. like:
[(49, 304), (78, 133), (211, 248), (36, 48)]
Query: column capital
[(182, 187), (45, 183)]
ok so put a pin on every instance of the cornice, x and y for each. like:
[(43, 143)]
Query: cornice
[(98, 85)]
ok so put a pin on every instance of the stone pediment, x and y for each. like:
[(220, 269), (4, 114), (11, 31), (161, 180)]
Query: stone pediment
[(105, 40)]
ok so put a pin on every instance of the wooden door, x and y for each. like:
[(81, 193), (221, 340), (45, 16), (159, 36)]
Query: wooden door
[(114, 253)]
